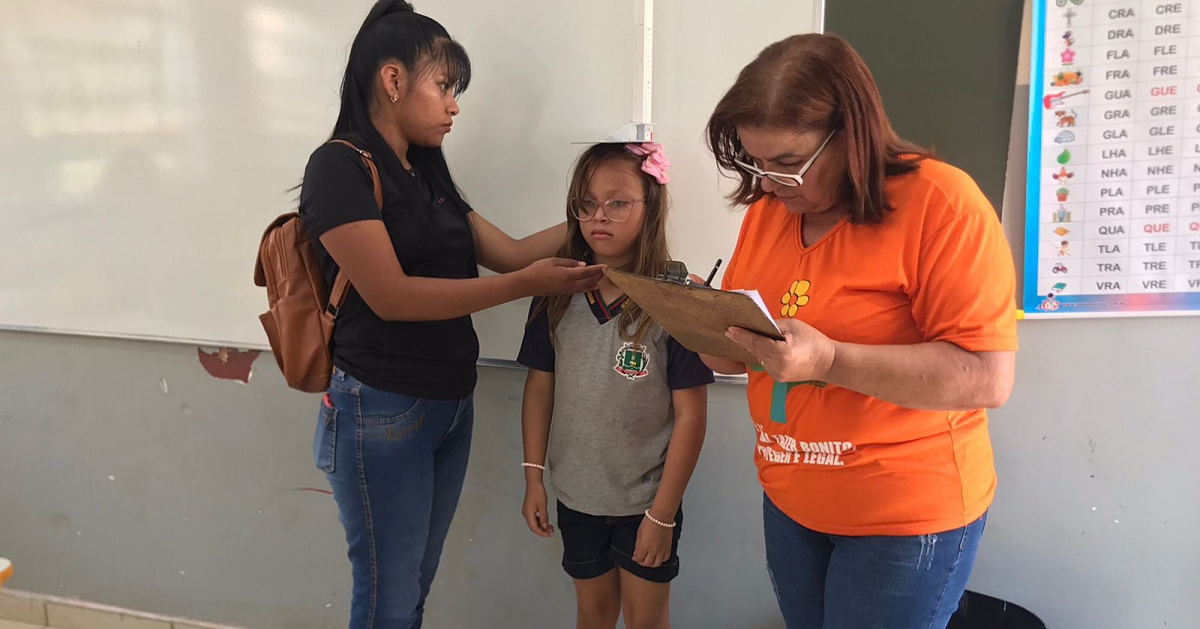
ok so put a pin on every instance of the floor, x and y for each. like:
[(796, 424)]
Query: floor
[(8, 624), (20, 610)]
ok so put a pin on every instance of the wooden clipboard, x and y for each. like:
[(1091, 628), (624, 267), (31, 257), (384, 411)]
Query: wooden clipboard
[(697, 316)]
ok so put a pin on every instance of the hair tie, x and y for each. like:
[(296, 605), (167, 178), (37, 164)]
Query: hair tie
[(656, 162)]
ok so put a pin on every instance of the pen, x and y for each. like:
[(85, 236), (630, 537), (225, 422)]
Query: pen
[(713, 274)]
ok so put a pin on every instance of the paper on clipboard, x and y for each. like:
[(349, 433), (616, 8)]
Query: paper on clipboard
[(758, 301), (698, 316)]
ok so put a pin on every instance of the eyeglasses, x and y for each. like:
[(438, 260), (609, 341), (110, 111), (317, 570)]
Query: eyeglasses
[(784, 179), (616, 210)]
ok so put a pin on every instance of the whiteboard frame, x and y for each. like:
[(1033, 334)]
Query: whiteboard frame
[(819, 16), (148, 338), (642, 109)]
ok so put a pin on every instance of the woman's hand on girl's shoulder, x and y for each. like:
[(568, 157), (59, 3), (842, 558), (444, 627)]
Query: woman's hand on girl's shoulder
[(559, 276)]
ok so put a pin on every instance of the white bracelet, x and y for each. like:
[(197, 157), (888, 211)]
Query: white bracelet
[(534, 466), (656, 521)]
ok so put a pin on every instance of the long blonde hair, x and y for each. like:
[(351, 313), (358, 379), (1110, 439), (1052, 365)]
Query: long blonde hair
[(650, 254)]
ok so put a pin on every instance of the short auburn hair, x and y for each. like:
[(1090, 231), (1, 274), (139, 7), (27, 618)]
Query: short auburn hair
[(815, 83)]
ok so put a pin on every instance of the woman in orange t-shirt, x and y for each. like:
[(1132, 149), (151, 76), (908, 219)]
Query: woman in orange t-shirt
[(893, 286)]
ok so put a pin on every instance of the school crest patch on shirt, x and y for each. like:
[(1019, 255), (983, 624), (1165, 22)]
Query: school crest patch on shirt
[(632, 361)]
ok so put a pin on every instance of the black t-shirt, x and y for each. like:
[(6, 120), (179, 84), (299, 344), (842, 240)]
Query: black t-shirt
[(429, 228)]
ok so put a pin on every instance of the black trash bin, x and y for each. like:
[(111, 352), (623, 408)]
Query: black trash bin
[(979, 611)]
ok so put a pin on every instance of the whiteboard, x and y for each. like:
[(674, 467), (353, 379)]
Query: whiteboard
[(1113, 200), (149, 142)]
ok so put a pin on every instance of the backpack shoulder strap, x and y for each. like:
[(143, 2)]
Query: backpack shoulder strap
[(370, 164), (341, 284)]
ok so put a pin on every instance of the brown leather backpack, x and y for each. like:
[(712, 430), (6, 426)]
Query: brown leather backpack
[(300, 309)]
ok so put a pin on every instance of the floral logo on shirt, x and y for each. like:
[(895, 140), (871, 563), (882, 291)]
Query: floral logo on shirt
[(795, 298), (632, 361)]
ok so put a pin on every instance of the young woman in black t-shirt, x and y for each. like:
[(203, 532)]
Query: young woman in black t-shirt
[(395, 427)]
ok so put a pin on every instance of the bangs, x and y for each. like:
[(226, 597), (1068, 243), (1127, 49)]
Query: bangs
[(725, 144), (449, 56)]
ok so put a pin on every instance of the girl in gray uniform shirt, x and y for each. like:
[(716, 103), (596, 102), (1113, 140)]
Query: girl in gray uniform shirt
[(614, 408)]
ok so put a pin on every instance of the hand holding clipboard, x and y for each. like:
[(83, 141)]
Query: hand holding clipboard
[(698, 316)]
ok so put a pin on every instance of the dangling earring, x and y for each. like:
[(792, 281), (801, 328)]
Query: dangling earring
[(395, 98)]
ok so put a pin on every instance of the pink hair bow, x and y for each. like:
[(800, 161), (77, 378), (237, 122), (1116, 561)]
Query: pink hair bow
[(656, 162)]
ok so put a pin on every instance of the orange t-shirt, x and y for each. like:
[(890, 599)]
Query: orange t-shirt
[(937, 269)]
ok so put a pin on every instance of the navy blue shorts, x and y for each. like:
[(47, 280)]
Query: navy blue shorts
[(593, 545)]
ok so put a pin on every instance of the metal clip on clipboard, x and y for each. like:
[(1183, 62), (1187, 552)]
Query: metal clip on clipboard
[(677, 273)]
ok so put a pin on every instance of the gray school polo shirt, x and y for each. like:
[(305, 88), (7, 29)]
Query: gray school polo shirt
[(612, 405)]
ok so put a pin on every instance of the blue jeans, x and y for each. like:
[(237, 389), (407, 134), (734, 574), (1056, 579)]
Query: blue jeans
[(396, 464), (838, 582)]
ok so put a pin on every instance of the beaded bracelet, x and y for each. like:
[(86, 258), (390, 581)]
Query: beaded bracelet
[(656, 521), (534, 466)]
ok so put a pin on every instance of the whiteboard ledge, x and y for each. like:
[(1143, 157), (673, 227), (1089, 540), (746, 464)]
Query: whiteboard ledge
[(482, 362), (172, 340)]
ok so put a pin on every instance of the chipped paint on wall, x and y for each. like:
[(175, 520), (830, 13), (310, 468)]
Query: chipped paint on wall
[(229, 364)]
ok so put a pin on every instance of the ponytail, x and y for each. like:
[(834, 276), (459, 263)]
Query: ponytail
[(384, 8), (393, 32)]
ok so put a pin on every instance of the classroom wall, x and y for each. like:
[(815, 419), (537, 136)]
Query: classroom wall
[(130, 476), (1094, 515)]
